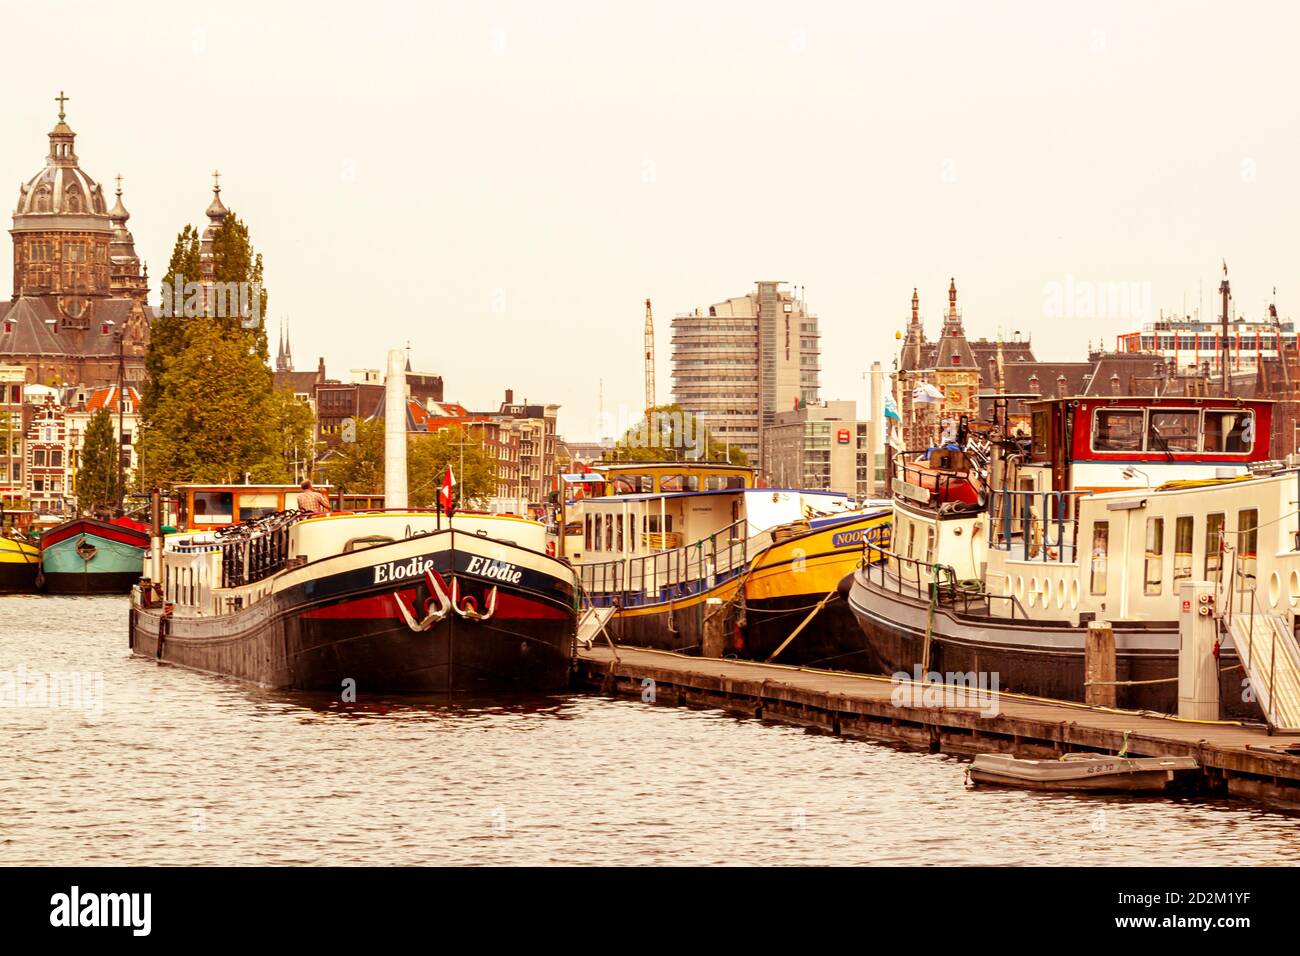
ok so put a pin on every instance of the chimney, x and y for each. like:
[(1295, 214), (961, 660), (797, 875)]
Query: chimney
[(510, 396)]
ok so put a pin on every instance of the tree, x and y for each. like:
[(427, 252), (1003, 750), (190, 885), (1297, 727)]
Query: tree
[(357, 467), (291, 432), (97, 475), (210, 408), (428, 457), (217, 421), (674, 435)]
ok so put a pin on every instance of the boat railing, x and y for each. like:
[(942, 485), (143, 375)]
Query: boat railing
[(1036, 525), (938, 485), (931, 581), (669, 575), (256, 549)]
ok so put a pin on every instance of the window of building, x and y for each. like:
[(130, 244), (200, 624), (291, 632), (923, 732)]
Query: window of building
[(38, 458), (1213, 547), (1153, 578), (1100, 556), (56, 458)]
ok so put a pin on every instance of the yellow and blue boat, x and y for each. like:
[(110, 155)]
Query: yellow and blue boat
[(20, 555), (669, 546)]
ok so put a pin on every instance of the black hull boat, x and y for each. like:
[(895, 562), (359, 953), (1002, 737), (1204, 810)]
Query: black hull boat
[(393, 605), (1034, 657)]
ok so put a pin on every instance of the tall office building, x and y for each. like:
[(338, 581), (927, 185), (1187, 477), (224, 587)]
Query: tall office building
[(740, 361)]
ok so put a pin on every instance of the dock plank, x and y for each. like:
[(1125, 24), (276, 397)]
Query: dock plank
[(1236, 759)]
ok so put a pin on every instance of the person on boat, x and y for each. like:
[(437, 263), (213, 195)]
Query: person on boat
[(311, 500)]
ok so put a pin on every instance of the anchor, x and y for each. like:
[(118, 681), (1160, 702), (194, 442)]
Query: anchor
[(446, 603), (433, 616), (468, 608)]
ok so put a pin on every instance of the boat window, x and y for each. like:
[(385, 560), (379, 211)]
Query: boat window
[(631, 533), (1247, 547), (679, 483), (213, 507), (1040, 436), (1100, 555), (256, 506), (1232, 432), (1155, 561), (1182, 548), (586, 535), (632, 484), (609, 532), (1118, 429), (911, 538), (1213, 547), (1173, 430), (618, 526), (929, 545)]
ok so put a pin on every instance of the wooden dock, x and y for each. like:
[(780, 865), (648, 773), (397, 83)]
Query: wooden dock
[(1236, 760)]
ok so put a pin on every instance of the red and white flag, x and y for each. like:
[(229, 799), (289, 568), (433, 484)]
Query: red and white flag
[(446, 494)]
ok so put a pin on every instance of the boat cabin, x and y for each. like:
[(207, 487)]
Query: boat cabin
[(204, 507), (1107, 443)]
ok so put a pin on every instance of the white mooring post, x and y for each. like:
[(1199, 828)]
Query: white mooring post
[(1198, 668), (395, 431)]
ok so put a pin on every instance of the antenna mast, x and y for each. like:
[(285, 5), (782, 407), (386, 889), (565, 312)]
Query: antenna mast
[(649, 361)]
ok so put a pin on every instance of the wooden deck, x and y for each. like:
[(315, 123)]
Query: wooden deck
[(1236, 760)]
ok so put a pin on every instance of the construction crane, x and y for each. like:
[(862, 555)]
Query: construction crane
[(649, 361)]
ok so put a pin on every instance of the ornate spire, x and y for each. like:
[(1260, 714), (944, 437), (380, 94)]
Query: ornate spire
[(952, 298), (62, 138), (217, 210), (916, 308)]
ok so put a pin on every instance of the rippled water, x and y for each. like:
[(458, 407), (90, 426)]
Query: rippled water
[(183, 768)]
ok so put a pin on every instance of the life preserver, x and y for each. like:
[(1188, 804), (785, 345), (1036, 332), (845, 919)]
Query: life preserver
[(550, 549)]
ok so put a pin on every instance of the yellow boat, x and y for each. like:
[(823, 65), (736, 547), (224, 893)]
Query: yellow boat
[(20, 555), (668, 545)]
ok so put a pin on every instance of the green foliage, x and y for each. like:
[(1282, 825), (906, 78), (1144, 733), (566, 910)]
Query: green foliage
[(97, 476), (426, 465), (218, 419), (210, 407), (359, 466), (674, 435)]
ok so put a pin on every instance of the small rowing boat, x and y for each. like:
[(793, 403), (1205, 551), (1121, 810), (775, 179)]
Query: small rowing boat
[(1097, 772)]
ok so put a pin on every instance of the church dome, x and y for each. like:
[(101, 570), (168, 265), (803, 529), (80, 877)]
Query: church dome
[(61, 190)]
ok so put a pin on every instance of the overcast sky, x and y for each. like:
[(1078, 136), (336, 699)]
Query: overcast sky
[(503, 184)]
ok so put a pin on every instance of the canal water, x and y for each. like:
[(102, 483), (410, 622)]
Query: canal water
[(142, 764)]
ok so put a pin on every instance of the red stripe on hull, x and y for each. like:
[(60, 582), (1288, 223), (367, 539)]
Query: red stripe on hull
[(108, 532), (382, 607)]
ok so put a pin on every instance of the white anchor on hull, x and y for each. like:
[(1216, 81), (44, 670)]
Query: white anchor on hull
[(467, 608), (435, 615)]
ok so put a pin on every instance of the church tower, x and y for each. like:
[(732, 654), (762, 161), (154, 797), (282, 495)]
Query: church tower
[(126, 279), (955, 370), (61, 233)]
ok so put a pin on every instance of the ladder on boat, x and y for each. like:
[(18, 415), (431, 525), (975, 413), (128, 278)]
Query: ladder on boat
[(1268, 652), (591, 623)]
